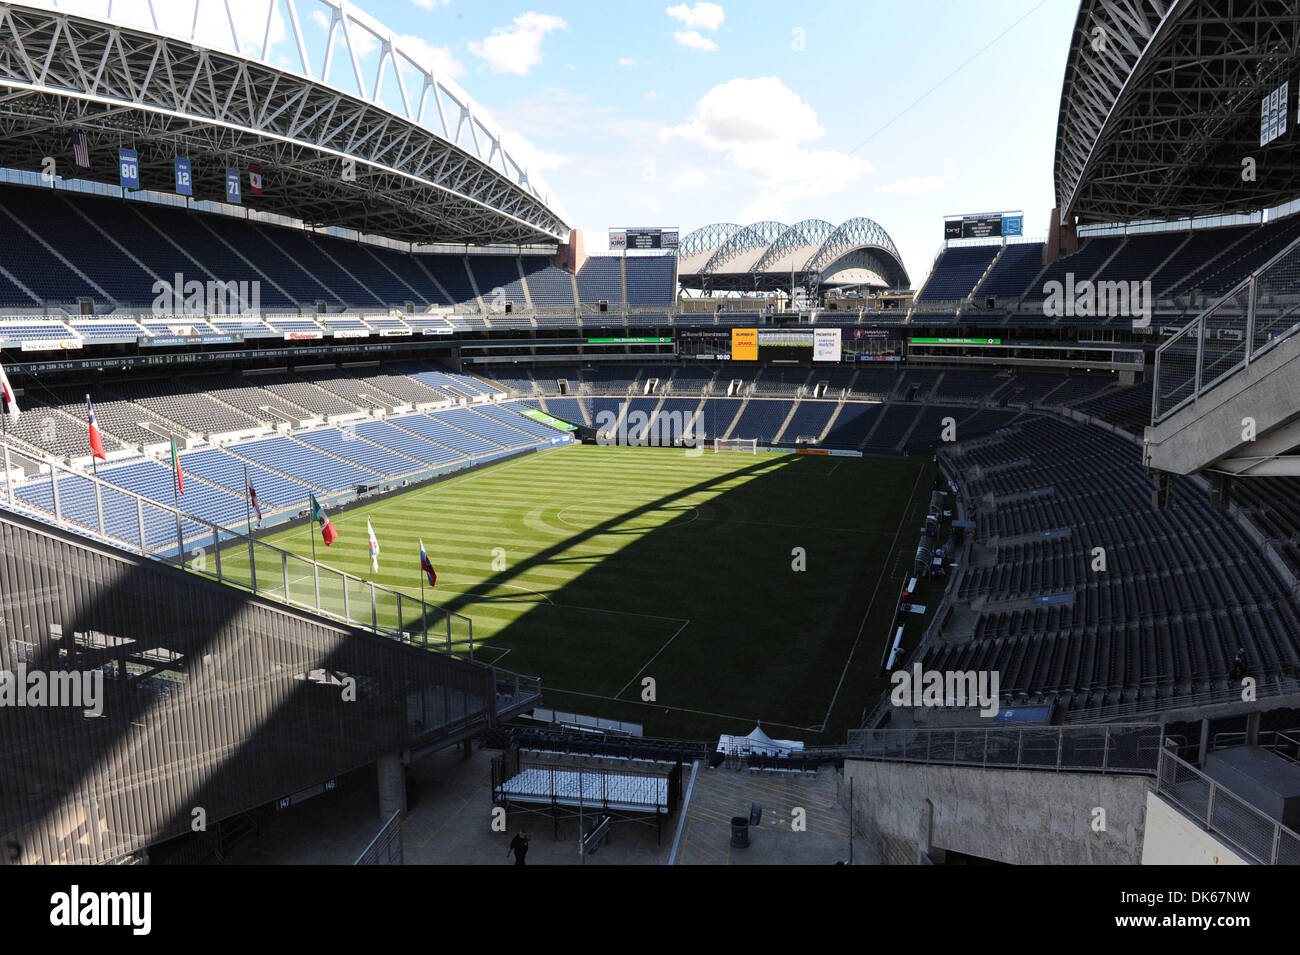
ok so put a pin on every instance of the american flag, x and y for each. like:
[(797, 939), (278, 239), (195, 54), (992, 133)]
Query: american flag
[(81, 149)]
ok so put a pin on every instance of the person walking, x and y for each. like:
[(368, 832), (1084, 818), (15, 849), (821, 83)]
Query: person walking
[(519, 846)]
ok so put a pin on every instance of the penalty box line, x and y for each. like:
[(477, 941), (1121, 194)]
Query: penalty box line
[(652, 659)]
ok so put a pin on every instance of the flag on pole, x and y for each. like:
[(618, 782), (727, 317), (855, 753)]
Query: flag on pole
[(176, 466), (10, 401), (81, 150), (327, 531), (426, 566), (374, 547), (252, 498), (255, 180), (96, 440)]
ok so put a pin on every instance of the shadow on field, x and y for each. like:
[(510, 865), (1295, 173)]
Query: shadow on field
[(746, 606)]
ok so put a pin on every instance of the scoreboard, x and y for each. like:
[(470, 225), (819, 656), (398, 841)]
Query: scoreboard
[(642, 238), (983, 225)]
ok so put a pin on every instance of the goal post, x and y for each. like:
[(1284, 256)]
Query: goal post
[(736, 444)]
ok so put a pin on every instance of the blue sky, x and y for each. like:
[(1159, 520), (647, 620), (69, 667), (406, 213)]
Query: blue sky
[(778, 111), (682, 114)]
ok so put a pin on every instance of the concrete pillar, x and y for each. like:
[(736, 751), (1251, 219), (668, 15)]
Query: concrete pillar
[(1252, 729), (925, 848), (1205, 743), (392, 785), (1062, 239)]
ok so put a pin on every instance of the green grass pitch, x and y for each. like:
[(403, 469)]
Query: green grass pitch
[(597, 568)]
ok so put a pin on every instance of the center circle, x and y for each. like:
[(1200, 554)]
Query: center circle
[(622, 525)]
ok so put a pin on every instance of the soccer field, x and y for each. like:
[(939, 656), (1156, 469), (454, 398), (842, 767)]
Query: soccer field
[(599, 568)]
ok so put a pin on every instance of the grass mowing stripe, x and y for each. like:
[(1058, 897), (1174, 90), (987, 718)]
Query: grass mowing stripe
[(653, 540)]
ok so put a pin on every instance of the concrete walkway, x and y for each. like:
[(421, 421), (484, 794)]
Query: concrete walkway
[(719, 794)]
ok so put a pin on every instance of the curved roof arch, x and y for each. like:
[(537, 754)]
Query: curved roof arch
[(762, 255), (353, 124), (857, 233), (707, 238), (803, 234), (756, 236)]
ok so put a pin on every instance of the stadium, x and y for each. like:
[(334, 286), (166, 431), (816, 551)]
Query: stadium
[(353, 513)]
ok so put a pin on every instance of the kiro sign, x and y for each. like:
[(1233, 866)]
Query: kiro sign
[(1088, 299)]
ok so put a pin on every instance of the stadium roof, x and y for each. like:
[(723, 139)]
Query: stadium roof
[(763, 256), (1161, 105), (351, 124)]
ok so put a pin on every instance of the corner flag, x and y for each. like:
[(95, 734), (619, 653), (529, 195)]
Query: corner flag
[(374, 547)]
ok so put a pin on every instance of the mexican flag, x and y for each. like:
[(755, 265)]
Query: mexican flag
[(327, 531)]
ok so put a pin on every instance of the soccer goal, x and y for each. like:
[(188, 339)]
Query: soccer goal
[(736, 444)]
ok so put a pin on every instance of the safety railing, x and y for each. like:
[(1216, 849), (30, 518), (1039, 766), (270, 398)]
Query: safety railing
[(91, 507), (1112, 748), (1248, 830), (386, 847), (1253, 317)]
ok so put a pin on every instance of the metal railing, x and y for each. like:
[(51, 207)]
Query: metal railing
[(91, 507), (386, 847), (1244, 828), (1113, 748), (1254, 316)]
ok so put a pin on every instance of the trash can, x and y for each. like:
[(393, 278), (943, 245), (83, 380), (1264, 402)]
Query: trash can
[(739, 832)]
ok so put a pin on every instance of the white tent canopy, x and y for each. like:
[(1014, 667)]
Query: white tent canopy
[(757, 743)]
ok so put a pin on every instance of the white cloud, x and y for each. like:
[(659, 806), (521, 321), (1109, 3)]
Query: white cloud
[(702, 16), (430, 4), (627, 61), (517, 49), (918, 185), (318, 17), (439, 57), (914, 186), (694, 40), (760, 126), (651, 96), (529, 155)]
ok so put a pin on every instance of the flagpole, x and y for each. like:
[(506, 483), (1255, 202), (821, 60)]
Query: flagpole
[(248, 508), (176, 506)]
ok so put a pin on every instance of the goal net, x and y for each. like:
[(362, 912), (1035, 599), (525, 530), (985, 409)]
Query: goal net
[(736, 444)]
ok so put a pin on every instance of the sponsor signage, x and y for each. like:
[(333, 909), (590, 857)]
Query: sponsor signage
[(351, 333), (826, 344), (546, 419), (744, 344), (302, 336), (634, 340), (437, 331), (165, 341)]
